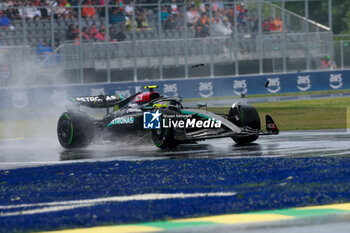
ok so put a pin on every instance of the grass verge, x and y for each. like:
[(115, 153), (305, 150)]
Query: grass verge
[(317, 114)]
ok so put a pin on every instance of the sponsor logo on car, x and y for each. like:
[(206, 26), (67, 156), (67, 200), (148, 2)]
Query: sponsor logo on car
[(274, 85), (153, 120), (240, 86), (95, 98), (170, 90), (206, 89), (335, 81), (122, 120), (304, 83)]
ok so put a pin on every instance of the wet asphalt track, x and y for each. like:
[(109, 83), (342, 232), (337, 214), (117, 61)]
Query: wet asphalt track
[(289, 170), (45, 151)]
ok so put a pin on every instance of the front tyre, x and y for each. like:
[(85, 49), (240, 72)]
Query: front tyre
[(245, 139), (74, 130), (165, 137), (245, 115)]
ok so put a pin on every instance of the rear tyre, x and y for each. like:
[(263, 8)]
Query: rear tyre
[(245, 115), (74, 130)]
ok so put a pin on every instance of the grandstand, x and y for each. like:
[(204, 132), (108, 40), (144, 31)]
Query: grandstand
[(156, 52)]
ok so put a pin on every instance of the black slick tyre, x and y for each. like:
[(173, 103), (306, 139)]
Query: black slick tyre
[(164, 137), (74, 130), (249, 117)]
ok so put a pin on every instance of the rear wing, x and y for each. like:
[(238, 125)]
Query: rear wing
[(271, 127), (101, 101)]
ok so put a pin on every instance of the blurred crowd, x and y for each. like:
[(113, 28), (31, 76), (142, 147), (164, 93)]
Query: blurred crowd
[(173, 15)]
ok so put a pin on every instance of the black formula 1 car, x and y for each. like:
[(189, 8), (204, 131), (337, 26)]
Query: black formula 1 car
[(164, 119)]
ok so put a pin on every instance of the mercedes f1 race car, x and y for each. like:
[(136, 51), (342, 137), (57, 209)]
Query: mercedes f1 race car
[(164, 119)]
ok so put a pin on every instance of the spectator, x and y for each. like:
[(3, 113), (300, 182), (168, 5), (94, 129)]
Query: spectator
[(241, 9), (241, 12), (42, 51), (117, 17), (180, 21), (70, 33), (170, 23), (59, 9), (57, 41), (141, 24), (31, 12), (128, 24), (221, 8), (129, 8), (13, 13), (278, 23), (173, 7), (116, 36), (45, 11), (221, 27), (265, 26), (101, 10), (215, 6), (272, 26), (326, 63), (164, 13), (202, 27), (192, 16), (102, 31), (70, 12), (4, 21), (120, 3), (85, 34), (231, 15), (203, 6), (88, 11), (7, 4), (94, 33)]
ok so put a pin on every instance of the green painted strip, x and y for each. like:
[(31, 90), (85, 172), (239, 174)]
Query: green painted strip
[(73, 99), (166, 225), (301, 213), (179, 224), (294, 213)]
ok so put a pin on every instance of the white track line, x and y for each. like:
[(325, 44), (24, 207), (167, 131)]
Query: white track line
[(43, 210), (65, 205)]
